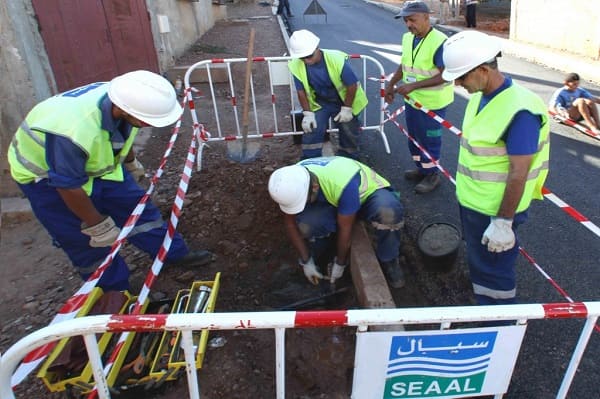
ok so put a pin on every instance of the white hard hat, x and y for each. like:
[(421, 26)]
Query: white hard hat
[(303, 43), (146, 96), (288, 186), (467, 50)]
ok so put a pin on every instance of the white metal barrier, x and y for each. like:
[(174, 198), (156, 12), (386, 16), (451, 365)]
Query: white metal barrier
[(279, 321), (278, 75)]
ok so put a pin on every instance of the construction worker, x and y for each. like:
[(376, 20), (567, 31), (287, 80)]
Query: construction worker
[(420, 74), (73, 159), (325, 195), (327, 88), (502, 164)]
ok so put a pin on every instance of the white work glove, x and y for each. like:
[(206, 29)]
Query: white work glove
[(337, 271), (308, 122), (345, 115), (136, 169), (499, 235), (102, 234), (310, 270)]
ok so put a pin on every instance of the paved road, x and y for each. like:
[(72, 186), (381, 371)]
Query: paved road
[(567, 251)]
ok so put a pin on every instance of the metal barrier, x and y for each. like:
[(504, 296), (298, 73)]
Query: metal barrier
[(279, 321), (278, 75)]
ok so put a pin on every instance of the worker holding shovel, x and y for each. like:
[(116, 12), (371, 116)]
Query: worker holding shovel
[(325, 195), (327, 88), (72, 157)]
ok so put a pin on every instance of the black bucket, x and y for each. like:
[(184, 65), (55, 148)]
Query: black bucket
[(439, 242)]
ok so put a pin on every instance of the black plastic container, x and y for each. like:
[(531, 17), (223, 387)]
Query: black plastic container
[(439, 242)]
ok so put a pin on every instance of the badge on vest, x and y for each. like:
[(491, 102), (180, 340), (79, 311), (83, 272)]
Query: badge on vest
[(411, 79)]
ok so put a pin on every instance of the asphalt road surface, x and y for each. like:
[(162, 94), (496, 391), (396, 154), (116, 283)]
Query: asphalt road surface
[(566, 250)]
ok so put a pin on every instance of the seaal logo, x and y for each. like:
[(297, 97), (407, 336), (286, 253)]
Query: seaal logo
[(430, 366)]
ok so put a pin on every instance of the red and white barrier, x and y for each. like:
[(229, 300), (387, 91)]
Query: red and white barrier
[(279, 321), (275, 78)]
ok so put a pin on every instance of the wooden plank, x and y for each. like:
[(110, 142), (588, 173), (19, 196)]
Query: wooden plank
[(369, 282)]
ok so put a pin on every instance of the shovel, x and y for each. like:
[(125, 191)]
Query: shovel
[(243, 151)]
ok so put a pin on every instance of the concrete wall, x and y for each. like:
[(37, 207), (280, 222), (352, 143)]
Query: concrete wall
[(27, 77), (572, 26), (187, 20)]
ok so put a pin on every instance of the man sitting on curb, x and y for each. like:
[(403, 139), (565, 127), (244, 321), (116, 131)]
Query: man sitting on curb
[(576, 103), (321, 196)]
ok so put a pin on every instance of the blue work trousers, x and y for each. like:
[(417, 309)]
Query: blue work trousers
[(383, 209), (492, 274), (428, 132), (312, 143), (114, 199)]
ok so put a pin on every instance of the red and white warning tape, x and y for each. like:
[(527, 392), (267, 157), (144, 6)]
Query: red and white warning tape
[(576, 125), (159, 260), (74, 304), (568, 209), (417, 144)]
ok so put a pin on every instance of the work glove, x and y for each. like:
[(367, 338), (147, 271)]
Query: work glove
[(310, 270), (499, 235), (102, 234), (345, 115), (136, 169), (308, 122), (337, 271)]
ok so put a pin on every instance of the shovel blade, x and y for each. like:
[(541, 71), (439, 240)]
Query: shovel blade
[(242, 152)]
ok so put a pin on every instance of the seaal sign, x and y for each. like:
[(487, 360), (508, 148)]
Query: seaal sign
[(428, 366)]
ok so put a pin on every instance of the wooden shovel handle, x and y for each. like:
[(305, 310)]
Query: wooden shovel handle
[(247, 84)]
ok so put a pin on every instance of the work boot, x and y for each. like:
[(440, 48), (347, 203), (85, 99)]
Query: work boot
[(413, 175), (199, 257), (429, 183), (393, 273)]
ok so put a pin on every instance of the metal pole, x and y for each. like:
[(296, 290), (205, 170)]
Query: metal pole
[(280, 362), (584, 338)]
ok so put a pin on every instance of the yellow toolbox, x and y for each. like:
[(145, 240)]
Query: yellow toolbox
[(67, 366), (167, 356)]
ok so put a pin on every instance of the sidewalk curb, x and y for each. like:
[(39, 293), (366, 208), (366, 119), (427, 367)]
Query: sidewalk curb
[(15, 210)]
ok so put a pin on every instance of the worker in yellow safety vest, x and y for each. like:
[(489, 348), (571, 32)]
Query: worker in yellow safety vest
[(327, 87), (420, 74), (322, 197), (502, 164), (73, 159)]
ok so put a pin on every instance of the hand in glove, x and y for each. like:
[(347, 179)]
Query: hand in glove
[(345, 115), (136, 169), (102, 234), (310, 270), (308, 122), (499, 235), (337, 271)]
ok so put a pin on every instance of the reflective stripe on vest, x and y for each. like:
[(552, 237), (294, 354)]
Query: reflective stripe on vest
[(483, 164), (334, 173), (334, 61), (434, 97)]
